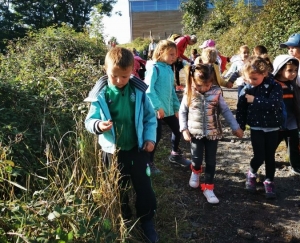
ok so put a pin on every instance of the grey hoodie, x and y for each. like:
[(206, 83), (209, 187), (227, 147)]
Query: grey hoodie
[(293, 114)]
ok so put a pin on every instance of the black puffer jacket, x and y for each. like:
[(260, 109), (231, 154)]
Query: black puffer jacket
[(266, 109)]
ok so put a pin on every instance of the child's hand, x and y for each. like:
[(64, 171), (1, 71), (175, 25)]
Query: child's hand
[(160, 114), (186, 135), (250, 98), (148, 146), (176, 114), (239, 133), (105, 125), (229, 85)]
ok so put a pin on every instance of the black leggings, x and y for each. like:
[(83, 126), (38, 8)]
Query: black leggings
[(264, 145), (173, 123)]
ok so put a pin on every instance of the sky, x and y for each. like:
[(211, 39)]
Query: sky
[(118, 26)]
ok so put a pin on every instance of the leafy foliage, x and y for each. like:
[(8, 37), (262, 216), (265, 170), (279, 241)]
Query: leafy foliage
[(19, 16), (194, 13), (39, 89)]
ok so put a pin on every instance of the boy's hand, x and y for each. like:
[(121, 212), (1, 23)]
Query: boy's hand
[(249, 98), (239, 133), (105, 125), (160, 114), (148, 146), (186, 135)]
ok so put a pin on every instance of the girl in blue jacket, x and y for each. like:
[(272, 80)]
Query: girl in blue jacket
[(162, 96)]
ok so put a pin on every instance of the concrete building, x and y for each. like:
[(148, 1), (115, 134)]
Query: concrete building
[(159, 18)]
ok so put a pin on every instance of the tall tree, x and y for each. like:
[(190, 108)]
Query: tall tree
[(194, 12), (18, 16)]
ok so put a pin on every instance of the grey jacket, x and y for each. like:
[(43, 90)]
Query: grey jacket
[(202, 117)]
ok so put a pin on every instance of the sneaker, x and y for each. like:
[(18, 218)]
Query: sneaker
[(210, 196), (251, 181), (270, 189), (194, 180), (149, 231), (177, 158), (296, 171), (154, 170)]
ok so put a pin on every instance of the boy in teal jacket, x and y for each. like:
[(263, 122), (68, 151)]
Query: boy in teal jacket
[(123, 118)]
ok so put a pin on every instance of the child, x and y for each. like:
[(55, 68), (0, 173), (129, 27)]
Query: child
[(233, 73), (182, 42), (259, 50), (209, 55), (200, 124), (194, 55), (126, 124), (259, 106), (285, 73), (161, 93), (293, 46)]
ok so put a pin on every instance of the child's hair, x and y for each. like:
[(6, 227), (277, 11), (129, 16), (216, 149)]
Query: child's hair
[(268, 60), (194, 52), (289, 62), (243, 47), (120, 57), (209, 55), (255, 64), (193, 39), (200, 73), (162, 47), (259, 50)]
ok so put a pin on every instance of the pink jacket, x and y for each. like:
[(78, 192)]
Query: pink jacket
[(137, 65)]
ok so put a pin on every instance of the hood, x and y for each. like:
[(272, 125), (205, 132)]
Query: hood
[(235, 58), (279, 61)]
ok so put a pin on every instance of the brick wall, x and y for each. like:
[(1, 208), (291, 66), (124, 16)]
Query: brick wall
[(161, 24)]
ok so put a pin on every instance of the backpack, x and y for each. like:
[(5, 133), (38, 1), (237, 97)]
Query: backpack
[(173, 37)]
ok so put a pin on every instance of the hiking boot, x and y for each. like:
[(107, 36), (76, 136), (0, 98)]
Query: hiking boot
[(154, 170), (251, 181), (269, 189), (177, 158), (295, 170), (208, 192), (195, 177), (149, 231)]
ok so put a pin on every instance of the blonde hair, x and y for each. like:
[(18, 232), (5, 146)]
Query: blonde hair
[(268, 61), (162, 47), (244, 47), (200, 73), (119, 56), (209, 55), (255, 64)]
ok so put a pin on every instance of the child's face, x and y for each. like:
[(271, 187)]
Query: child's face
[(255, 79), (288, 73), (244, 53), (118, 76), (169, 56), (294, 51), (202, 87)]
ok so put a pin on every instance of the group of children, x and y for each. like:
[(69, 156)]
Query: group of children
[(127, 115)]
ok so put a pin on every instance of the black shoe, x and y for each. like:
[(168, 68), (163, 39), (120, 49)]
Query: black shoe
[(177, 158), (296, 170), (149, 231)]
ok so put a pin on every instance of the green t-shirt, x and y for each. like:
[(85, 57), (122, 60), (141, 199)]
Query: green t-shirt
[(121, 104)]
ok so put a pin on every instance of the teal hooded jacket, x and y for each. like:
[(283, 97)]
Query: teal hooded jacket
[(145, 118)]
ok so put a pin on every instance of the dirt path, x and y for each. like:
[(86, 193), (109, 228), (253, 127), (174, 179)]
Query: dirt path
[(185, 216)]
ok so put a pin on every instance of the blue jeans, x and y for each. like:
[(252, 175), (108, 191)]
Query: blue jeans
[(209, 148)]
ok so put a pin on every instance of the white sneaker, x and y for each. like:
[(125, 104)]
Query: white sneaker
[(194, 180), (210, 196)]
